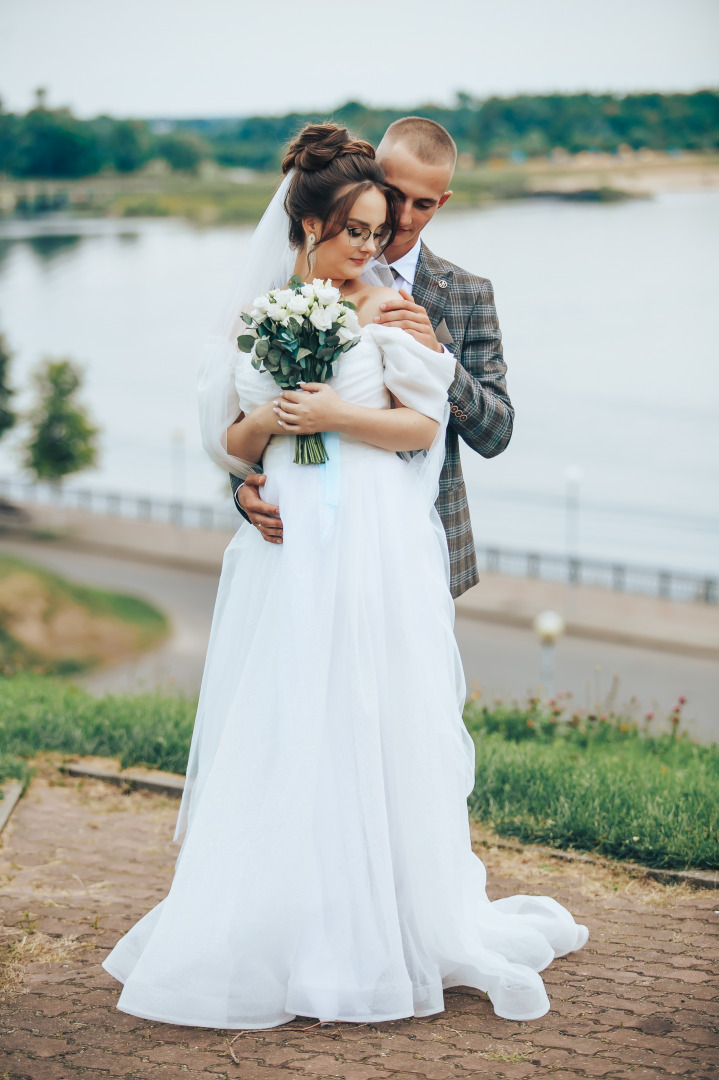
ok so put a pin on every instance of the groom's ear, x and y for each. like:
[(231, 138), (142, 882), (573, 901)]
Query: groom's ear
[(444, 198)]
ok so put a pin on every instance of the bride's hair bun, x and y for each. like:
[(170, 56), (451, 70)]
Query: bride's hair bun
[(317, 146), (331, 169)]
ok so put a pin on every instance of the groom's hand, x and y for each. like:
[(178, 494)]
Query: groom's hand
[(403, 313), (263, 515)]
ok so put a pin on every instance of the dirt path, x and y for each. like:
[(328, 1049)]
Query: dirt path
[(81, 862)]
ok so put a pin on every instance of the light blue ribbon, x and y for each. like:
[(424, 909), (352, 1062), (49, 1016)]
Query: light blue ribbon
[(331, 468)]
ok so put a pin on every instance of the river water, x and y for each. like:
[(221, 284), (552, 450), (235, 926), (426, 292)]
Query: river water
[(609, 321)]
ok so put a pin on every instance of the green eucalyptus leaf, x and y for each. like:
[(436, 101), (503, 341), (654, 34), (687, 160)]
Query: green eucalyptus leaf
[(262, 348), (247, 318), (245, 342)]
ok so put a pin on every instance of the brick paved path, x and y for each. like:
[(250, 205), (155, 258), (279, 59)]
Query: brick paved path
[(81, 862)]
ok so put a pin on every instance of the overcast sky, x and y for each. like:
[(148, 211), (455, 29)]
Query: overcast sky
[(236, 57)]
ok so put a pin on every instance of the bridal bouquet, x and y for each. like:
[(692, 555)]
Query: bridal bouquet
[(298, 334)]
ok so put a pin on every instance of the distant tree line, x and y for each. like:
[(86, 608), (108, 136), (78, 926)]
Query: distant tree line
[(496, 127), (48, 142)]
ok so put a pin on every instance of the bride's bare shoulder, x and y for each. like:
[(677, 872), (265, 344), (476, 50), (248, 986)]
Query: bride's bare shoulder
[(369, 300)]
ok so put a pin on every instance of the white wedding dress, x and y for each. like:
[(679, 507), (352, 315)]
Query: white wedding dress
[(326, 868)]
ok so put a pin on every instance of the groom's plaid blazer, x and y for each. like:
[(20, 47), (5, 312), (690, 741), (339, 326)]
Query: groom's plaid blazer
[(480, 410)]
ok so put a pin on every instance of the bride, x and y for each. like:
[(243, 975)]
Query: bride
[(326, 867)]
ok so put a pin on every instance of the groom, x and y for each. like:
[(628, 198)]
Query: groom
[(444, 307)]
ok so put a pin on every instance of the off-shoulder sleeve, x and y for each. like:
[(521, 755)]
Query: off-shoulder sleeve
[(416, 375)]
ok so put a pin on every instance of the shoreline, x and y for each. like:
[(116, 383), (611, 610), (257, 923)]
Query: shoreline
[(216, 196)]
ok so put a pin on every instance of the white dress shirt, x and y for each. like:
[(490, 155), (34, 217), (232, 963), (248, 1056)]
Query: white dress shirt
[(405, 268), (405, 271)]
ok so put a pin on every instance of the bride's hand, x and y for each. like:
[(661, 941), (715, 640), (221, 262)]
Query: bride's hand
[(315, 408)]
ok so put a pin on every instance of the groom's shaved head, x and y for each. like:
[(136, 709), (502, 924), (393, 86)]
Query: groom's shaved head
[(428, 141), (418, 158)]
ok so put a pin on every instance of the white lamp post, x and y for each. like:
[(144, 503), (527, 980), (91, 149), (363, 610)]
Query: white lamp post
[(549, 627)]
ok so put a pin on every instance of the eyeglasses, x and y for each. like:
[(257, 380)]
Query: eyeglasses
[(359, 236)]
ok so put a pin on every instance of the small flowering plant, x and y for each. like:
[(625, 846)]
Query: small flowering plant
[(298, 334)]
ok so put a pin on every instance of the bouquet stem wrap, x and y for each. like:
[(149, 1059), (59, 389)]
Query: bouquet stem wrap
[(310, 450)]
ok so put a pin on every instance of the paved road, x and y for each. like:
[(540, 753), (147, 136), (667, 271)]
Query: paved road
[(82, 862), (499, 660)]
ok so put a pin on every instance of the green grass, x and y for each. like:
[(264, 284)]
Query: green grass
[(205, 202), (13, 768), (39, 713), (224, 203), (150, 625), (600, 784)]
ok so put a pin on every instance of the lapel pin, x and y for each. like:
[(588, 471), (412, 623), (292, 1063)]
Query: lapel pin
[(442, 284)]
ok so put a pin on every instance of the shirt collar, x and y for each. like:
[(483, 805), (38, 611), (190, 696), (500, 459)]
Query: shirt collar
[(406, 265)]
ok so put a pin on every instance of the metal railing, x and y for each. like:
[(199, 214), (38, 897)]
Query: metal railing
[(617, 576), (180, 512)]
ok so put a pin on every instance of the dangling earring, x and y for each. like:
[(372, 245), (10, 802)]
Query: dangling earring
[(311, 254)]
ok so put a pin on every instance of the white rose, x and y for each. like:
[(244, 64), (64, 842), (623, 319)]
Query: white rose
[(260, 304), (345, 335), (298, 304), (308, 291), (327, 294), (277, 312), (333, 311), (351, 321), (283, 296), (320, 318)]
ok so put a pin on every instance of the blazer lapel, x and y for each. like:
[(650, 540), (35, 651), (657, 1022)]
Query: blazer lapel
[(431, 286)]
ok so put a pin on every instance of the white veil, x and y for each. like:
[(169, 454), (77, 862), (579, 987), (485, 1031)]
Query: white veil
[(266, 264)]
